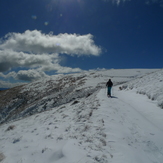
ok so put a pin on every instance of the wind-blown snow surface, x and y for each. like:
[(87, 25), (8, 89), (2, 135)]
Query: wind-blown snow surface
[(150, 85), (124, 129)]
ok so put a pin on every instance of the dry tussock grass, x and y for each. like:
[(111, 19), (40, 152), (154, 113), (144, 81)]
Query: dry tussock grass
[(2, 157), (7, 95), (11, 127)]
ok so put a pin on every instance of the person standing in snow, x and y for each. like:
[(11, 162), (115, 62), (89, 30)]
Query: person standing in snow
[(109, 85)]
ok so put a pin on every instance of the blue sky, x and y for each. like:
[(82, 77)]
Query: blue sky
[(39, 38)]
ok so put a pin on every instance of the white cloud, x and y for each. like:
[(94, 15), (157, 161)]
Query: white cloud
[(61, 69), (10, 59), (30, 75), (7, 84), (40, 52), (37, 42), (25, 75)]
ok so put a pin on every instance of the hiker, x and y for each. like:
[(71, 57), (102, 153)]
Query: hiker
[(109, 84)]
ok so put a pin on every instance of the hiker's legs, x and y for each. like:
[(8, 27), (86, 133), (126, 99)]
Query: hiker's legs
[(109, 91)]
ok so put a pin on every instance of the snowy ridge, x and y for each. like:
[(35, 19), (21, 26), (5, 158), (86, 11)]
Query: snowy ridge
[(45, 94)]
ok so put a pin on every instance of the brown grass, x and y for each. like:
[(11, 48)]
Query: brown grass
[(11, 127), (2, 157)]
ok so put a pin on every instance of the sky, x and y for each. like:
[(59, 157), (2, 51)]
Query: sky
[(40, 38)]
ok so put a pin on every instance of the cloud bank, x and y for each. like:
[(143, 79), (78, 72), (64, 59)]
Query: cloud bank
[(38, 53), (37, 42)]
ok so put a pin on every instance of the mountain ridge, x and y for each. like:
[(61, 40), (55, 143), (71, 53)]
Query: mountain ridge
[(38, 96)]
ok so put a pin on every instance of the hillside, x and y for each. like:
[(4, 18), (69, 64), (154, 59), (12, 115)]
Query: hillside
[(45, 94), (83, 125), (150, 85)]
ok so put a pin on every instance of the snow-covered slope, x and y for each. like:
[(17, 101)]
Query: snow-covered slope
[(45, 94), (150, 85), (86, 128)]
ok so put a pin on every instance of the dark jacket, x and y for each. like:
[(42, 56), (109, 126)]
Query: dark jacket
[(109, 83)]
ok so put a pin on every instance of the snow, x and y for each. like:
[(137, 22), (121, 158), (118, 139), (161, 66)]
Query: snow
[(150, 85), (93, 129), (135, 130)]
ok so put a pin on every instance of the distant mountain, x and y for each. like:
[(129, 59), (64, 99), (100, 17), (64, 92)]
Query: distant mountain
[(42, 95), (1, 89)]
